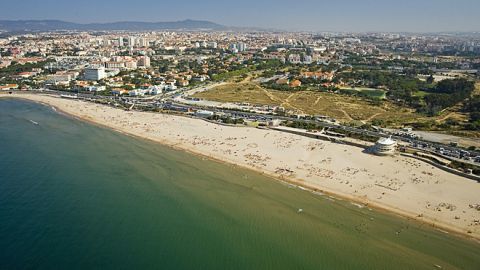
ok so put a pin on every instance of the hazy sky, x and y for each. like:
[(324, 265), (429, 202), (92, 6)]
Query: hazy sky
[(316, 15)]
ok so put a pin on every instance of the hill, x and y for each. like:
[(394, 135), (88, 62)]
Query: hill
[(53, 25)]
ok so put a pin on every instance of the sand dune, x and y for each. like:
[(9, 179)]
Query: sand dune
[(399, 184)]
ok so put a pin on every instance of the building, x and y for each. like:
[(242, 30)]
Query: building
[(94, 73), (204, 113), (233, 48), (182, 83), (95, 88), (213, 45), (61, 77), (115, 65), (119, 91), (274, 123), (170, 87), (200, 78), (241, 47), (131, 64), (144, 61), (156, 89), (4, 64), (307, 59), (294, 59), (8, 87), (136, 93), (318, 75), (131, 41), (385, 146), (143, 42), (295, 83)]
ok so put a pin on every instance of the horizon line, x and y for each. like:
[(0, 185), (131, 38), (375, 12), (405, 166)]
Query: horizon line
[(272, 29)]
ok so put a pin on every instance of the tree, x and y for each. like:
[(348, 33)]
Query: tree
[(455, 86), (475, 116), (430, 79), (448, 93)]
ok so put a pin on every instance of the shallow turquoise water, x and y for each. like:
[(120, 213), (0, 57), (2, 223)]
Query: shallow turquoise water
[(76, 196)]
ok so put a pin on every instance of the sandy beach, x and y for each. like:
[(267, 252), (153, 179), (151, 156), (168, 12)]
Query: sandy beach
[(399, 184)]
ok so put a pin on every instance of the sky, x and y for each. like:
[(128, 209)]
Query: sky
[(308, 15)]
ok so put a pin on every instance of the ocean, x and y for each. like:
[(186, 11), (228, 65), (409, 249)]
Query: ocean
[(77, 196)]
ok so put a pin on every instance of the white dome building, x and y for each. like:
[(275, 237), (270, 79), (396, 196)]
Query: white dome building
[(385, 146)]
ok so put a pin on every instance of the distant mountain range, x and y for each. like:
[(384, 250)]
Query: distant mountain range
[(53, 25)]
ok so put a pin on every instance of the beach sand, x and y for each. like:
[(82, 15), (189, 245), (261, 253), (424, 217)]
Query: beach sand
[(398, 184)]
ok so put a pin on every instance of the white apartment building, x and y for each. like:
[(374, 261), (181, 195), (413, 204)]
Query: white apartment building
[(241, 47), (94, 73), (213, 44), (143, 42), (294, 59), (307, 59), (131, 41), (115, 65)]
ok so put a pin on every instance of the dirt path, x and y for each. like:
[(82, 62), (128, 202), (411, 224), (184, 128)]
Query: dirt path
[(349, 118), (443, 118), (283, 103), (373, 116), (271, 96), (286, 101), (247, 79)]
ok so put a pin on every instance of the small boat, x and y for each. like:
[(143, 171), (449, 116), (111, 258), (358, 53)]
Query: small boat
[(299, 210), (33, 122)]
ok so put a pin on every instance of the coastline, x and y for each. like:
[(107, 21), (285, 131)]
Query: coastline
[(265, 160)]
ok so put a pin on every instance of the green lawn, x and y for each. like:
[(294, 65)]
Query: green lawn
[(420, 94), (368, 92)]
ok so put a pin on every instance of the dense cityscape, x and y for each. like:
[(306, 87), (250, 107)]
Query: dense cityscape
[(429, 77), (188, 144)]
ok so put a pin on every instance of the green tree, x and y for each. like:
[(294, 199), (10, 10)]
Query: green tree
[(430, 79)]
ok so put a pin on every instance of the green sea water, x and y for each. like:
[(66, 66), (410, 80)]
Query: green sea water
[(77, 196)]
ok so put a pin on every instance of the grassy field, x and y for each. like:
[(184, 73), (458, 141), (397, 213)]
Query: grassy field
[(341, 107), (344, 108), (369, 92), (420, 94)]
